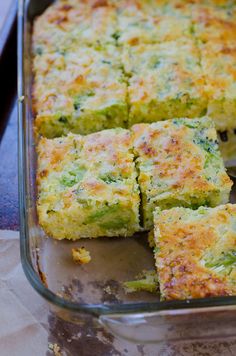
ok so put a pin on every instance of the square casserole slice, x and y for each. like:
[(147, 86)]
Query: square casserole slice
[(87, 185), (80, 91), (196, 251), (179, 164), (165, 81), (139, 23), (219, 68), (69, 25)]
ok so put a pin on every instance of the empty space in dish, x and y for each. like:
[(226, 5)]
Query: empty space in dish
[(114, 261)]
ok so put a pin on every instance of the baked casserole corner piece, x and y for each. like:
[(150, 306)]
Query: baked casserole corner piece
[(196, 251), (87, 185), (179, 164)]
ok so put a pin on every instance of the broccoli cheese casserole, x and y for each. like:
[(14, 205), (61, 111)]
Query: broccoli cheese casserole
[(179, 164), (102, 64), (219, 63), (146, 22), (195, 251), (127, 98), (80, 91), (87, 185), (166, 81)]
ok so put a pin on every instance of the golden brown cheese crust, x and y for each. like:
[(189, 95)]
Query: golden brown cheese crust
[(172, 47), (185, 239), (142, 22), (66, 25), (180, 165), (166, 81), (87, 185), (219, 68), (54, 154), (81, 91), (214, 24)]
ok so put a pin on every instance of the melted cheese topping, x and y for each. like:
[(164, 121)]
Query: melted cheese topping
[(87, 185), (179, 164), (94, 60), (166, 81), (138, 25), (214, 24), (196, 252), (70, 24), (82, 91), (219, 65)]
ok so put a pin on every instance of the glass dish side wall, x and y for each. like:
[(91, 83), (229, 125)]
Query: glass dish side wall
[(146, 321)]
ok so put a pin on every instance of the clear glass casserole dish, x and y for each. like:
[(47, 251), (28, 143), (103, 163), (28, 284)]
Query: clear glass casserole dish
[(94, 291)]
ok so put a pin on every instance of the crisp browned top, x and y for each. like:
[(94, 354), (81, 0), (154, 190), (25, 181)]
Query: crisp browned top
[(195, 252)]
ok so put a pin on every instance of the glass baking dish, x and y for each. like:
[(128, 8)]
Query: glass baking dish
[(94, 291)]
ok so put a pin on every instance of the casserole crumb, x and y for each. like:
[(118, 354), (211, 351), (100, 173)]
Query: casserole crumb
[(81, 255)]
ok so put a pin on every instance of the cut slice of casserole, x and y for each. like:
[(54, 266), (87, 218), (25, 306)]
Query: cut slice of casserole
[(68, 25), (196, 251), (87, 185), (80, 91), (179, 164), (165, 81)]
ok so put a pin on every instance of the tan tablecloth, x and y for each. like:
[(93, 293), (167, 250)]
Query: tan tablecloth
[(27, 327)]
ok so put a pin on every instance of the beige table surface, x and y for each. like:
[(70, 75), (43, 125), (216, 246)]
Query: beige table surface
[(28, 328)]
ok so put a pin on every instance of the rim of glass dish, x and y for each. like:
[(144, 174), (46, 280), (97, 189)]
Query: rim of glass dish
[(32, 276)]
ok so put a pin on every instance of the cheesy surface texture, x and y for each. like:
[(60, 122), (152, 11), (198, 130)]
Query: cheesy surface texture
[(87, 185), (196, 252), (179, 164), (101, 64)]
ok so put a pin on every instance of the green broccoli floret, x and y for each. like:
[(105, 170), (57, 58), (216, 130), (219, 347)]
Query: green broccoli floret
[(146, 281)]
